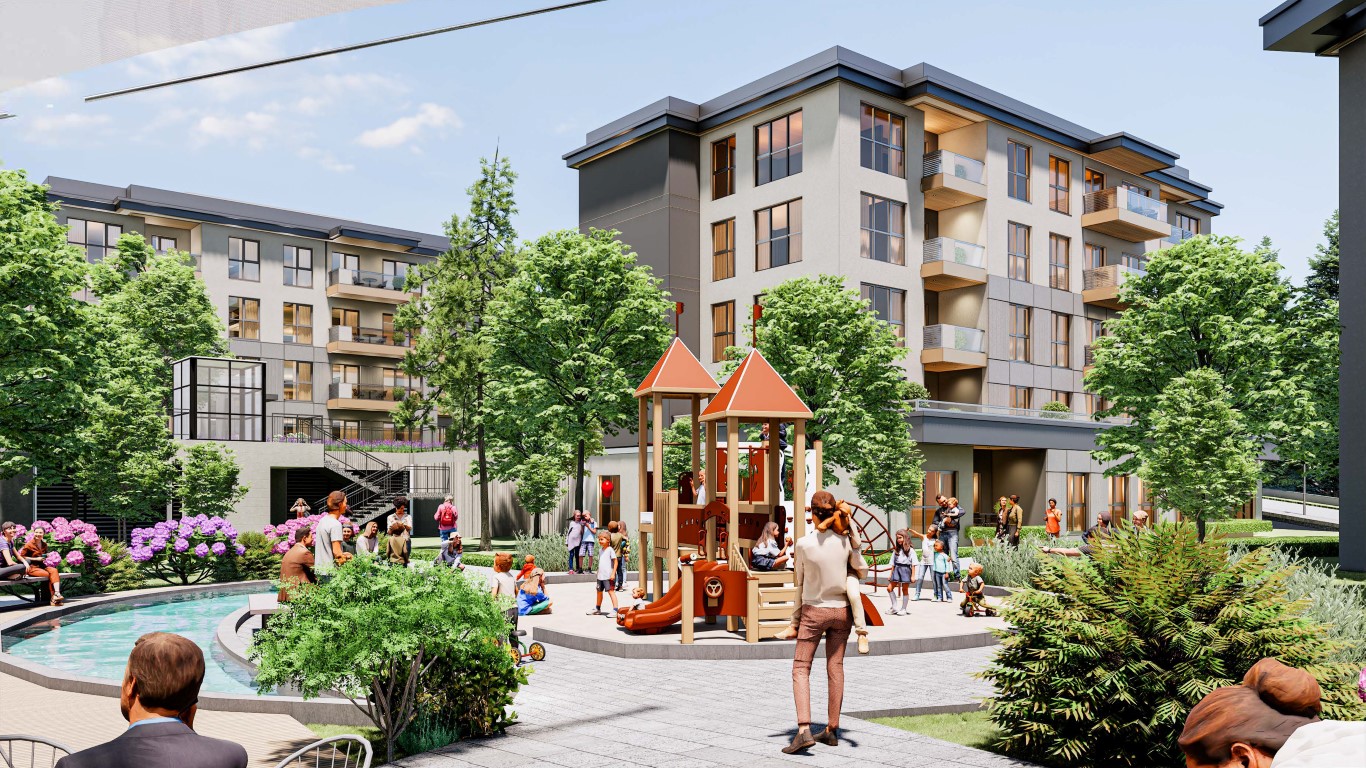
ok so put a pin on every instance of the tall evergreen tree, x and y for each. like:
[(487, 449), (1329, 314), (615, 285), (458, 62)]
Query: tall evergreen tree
[(1322, 282)]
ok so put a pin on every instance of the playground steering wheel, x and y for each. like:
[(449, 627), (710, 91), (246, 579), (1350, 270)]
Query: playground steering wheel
[(713, 588)]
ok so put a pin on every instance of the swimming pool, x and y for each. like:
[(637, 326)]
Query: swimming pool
[(95, 642)]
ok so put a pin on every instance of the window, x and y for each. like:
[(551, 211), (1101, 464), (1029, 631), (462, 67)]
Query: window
[(778, 149), (1060, 396), (216, 399), (1017, 251), (889, 304), (1020, 398), (1188, 223), (1019, 333), (1059, 184), (883, 228), (1017, 170), (883, 141), (1095, 181), (298, 322), (1136, 189), (244, 259), (1134, 261), (1094, 404), (394, 274), (391, 336), (937, 483), (723, 249), (397, 379), (298, 380), (1145, 500), (1095, 256), (723, 168), (1062, 340), (1097, 329), (96, 238), (345, 429), (162, 244), (609, 504), (1076, 501), (244, 318), (1119, 498), (1059, 262), (345, 261), (298, 266), (345, 374), (778, 235), (349, 317), (722, 329)]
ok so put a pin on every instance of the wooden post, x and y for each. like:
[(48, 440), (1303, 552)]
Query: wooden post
[(752, 610), (774, 457), (658, 458), (687, 594), (646, 557), (733, 483), (798, 479), (696, 441), (642, 435), (713, 472)]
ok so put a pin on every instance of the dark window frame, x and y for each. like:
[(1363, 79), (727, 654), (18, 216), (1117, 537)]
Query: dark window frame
[(1018, 172), (248, 269), (884, 156), (294, 274), (791, 240), (1059, 270), (1059, 185), (239, 304), (301, 388), (103, 248), (721, 339), (304, 337), (1062, 347), (893, 298), (1021, 322), (1017, 250), (723, 258), (787, 159), (892, 240), (723, 176)]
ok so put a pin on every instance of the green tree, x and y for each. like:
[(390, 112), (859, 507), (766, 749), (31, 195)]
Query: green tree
[(448, 317), (209, 481), (571, 335), (44, 363), (1204, 304), (1322, 282), (528, 449), (1201, 460), (844, 363)]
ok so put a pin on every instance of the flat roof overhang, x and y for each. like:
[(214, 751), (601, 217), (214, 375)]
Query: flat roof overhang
[(997, 431), (1320, 27)]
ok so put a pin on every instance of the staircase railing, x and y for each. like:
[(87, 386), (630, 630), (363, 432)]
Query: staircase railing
[(361, 460), (378, 486)]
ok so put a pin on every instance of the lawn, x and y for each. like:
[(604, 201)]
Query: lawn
[(971, 729)]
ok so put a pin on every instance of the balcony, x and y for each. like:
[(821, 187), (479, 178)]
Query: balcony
[(364, 397), (953, 348), (1177, 237), (953, 264), (1124, 213), (377, 342), (949, 180), (366, 286), (1100, 286)]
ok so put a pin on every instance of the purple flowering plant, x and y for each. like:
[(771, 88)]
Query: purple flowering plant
[(183, 551), (288, 532), (73, 546)]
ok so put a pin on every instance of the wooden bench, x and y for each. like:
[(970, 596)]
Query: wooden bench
[(38, 585)]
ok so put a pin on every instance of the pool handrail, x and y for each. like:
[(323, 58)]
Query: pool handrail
[(7, 742), (313, 754)]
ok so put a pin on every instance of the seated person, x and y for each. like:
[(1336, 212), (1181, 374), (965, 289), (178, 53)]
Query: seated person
[(638, 600), (502, 582), (296, 567), (452, 554), (974, 593), (531, 596), (159, 701), (528, 565), (348, 542), (766, 554), (35, 554), (368, 542), (396, 546), (12, 566)]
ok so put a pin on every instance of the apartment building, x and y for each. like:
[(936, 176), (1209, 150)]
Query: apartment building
[(992, 236)]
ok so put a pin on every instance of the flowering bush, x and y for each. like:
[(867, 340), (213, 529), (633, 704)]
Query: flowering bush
[(184, 551), (288, 532), (73, 546)]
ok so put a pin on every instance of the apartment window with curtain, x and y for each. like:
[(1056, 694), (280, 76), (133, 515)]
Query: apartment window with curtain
[(298, 266), (1019, 333), (298, 323), (345, 374), (1017, 251), (1059, 262), (778, 148), (395, 272), (1095, 181), (937, 483), (96, 238), (345, 429), (347, 317), (1188, 223), (162, 244), (889, 304), (723, 249), (1021, 397), (1095, 256), (723, 168), (244, 318), (1017, 170), (882, 224), (298, 382), (395, 378), (1076, 501), (883, 141), (1059, 184), (244, 259), (778, 235), (1062, 340), (1119, 498), (722, 329)]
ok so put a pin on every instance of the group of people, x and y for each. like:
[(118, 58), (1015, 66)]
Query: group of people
[(29, 558), (612, 546)]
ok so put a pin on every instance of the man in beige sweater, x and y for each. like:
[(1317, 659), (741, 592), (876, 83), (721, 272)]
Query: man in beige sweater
[(823, 561)]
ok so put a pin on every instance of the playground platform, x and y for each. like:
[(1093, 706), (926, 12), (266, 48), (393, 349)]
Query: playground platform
[(930, 627)]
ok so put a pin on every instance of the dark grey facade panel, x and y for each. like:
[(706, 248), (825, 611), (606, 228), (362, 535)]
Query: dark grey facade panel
[(1352, 279)]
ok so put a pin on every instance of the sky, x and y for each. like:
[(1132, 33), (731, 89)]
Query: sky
[(393, 135)]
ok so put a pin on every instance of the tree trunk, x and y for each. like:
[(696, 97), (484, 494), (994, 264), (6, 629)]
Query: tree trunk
[(1200, 529), (578, 478), (535, 524)]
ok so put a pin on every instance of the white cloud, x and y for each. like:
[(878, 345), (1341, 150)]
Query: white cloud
[(51, 88), (407, 129), (54, 129), (325, 159), (253, 127), (250, 47)]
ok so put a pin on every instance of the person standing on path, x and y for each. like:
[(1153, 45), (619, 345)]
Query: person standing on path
[(1014, 521), (1052, 522), (447, 519), (823, 561), (327, 546), (952, 516), (590, 537), (573, 539)]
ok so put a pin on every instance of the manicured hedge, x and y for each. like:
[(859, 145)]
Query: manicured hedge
[(1299, 546), (989, 532), (1239, 526)]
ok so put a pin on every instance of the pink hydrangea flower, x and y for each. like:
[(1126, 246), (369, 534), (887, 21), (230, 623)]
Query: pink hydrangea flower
[(75, 558), (52, 560)]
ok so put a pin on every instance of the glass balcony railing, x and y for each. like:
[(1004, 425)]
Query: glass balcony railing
[(366, 279), (1109, 276), (1178, 236), (1127, 199), (383, 336), (344, 391), (952, 164), (956, 251), (955, 337), (1003, 410)]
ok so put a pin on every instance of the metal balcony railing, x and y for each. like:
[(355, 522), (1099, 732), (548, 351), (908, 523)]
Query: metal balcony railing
[(956, 251), (367, 279), (955, 337), (349, 435), (383, 336), (1003, 410), (1110, 275), (1128, 199), (952, 164), (344, 391)]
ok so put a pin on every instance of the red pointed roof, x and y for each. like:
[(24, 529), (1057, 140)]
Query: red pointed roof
[(678, 372), (756, 391)]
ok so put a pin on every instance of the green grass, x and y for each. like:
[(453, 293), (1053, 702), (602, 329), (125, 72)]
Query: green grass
[(971, 729)]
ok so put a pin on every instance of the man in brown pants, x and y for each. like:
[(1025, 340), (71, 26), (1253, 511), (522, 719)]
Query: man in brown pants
[(823, 561)]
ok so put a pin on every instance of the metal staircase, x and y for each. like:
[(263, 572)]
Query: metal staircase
[(374, 482)]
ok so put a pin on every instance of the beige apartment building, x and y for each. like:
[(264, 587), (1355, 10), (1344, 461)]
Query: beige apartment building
[(991, 235)]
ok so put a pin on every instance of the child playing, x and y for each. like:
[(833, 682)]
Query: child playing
[(974, 593), (531, 596), (941, 573), (638, 596), (927, 540), (528, 565), (606, 574), (903, 560), (842, 523)]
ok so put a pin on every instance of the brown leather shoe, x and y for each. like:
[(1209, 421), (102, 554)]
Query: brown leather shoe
[(800, 742), (830, 737)]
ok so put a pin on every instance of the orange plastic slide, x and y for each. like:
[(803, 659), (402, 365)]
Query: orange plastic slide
[(666, 610)]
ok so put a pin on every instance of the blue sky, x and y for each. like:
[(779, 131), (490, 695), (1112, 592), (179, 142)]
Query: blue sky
[(393, 135)]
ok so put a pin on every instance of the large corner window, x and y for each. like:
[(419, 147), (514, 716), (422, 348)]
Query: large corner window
[(778, 148), (244, 318), (218, 399), (96, 238), (882, 227), (778, 235), (882, 141), (722, 329), (723, 168), (889, 304), (244, 259)]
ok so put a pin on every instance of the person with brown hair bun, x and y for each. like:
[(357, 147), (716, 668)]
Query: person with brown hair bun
[(1271, 719), (502, 582)]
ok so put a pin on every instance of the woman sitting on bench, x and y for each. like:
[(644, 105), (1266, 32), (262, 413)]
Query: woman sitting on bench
[(35, 552)]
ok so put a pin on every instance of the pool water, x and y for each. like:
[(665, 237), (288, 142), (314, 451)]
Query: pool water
[(95, 642)]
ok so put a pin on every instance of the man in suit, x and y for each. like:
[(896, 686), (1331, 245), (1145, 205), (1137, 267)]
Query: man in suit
[(159, 701)]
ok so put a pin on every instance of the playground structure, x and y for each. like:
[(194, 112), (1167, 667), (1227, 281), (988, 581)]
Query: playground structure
[(704, 548)]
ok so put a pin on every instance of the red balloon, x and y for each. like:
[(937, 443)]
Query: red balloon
[(607, 487)]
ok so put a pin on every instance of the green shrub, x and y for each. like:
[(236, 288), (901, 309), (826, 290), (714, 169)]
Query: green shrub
[(988, 532), (1007, 566), (1237, 526), (1055, 407), (1297, 546), (550, 549), (259, 561), (122, 573), (1339, 607), (470, 693), (1107, 656), (484, 559)]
